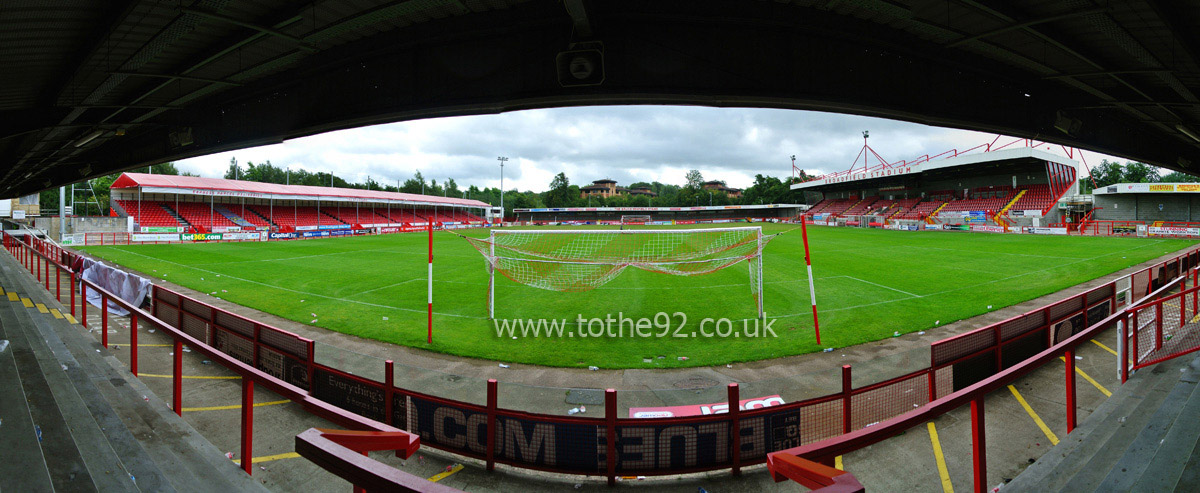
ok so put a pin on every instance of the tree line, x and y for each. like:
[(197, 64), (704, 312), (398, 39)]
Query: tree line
[(92, 196), (1112, 172)]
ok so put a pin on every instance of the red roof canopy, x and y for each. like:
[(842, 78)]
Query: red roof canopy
[(184, 183)]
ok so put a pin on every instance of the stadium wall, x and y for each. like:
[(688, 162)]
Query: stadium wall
[(1145, 207)]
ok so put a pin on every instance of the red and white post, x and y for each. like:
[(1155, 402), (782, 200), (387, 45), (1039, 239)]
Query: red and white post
[(812, 291), (429, 227)]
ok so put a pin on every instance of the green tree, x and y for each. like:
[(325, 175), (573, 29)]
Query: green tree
[(694, 179), (1141, 173), (1180, 177), (559, 194), (416, 184), (234, 172)]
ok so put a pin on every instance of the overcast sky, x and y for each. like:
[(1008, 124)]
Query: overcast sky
[(624, 143)]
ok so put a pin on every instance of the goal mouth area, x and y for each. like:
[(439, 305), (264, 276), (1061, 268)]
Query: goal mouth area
[(578, 260)]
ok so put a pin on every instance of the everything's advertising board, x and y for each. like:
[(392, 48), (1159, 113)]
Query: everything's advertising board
[(161, 229), (154, 237), (201, 237), (225, 229), (703, 409), (1173, 231), (306, 228), (569, 445)]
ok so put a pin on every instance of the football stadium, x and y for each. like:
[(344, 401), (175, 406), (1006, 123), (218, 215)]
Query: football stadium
[(997, 316)]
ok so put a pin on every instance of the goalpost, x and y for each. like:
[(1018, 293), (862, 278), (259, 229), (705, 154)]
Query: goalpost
[(582, 260), (634, 219)]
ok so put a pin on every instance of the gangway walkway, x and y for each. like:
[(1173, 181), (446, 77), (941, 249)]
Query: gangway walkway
[(73, 419)]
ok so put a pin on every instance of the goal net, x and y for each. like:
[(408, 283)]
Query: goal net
[(635, 219), (581, 260)]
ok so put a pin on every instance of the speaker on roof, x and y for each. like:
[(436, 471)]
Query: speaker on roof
[(580, 68)]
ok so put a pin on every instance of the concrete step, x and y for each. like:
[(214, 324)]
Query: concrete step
[(22, 466), (147, 439), (63, 460), (1054, 469), (1105, 456), (79, 402), (1167, 466), (1137, 457)]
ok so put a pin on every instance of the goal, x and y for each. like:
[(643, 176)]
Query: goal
[(582, 260), (635, 219)]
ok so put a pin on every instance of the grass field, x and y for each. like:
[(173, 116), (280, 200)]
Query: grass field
[(870, 284)]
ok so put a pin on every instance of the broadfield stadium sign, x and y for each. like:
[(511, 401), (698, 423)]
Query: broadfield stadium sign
[(873, 174)]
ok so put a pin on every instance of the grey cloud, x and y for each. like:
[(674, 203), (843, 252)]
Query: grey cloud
[(625, 143)]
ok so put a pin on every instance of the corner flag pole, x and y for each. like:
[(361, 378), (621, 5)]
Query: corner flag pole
[(812, 292), (429, 227)]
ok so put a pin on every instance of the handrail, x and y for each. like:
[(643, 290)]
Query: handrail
[(342, 453), (814, 476), (974, 394), (858, 439), (333, 454)]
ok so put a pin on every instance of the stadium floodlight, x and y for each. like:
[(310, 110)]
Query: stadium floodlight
[(582, 260), (502, 159)]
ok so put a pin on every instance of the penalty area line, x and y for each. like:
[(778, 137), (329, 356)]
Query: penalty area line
[(884, 287), (297, 291)]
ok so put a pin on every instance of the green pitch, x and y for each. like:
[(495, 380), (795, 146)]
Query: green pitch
[(870, 284)]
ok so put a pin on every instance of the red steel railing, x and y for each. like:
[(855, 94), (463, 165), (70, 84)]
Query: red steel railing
[(782, 466), (338, 451), (846, 413)]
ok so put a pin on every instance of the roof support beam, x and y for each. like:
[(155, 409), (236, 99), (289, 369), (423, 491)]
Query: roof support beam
[(249, 25), (177, 77), (1023, 25), (579, 17)]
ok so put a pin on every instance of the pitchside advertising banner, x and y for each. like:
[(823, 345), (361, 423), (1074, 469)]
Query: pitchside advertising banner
[(579, 444), (201, 237), (1173, 231), (1044, 231), (162, 229), (153, 237), (703, 409)]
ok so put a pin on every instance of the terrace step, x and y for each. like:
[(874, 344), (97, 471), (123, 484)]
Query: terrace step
[(234, 218), (1112, 438), (331, 216), (127, 440), (264, 218), (179, 218)]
